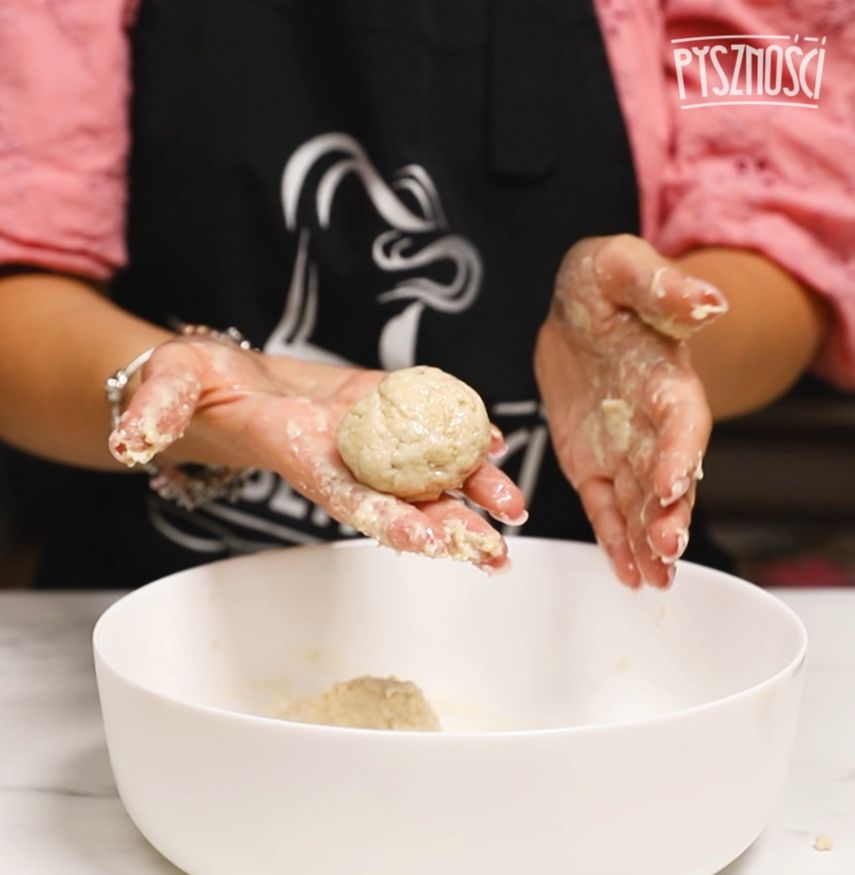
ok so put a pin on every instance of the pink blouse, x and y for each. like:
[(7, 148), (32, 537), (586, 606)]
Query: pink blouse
[(780, 180)]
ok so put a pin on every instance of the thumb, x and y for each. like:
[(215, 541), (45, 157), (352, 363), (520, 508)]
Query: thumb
[(162, 406), (635, 276)]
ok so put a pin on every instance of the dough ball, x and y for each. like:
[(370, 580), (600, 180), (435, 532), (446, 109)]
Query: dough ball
[(368, 703), (419, 433)]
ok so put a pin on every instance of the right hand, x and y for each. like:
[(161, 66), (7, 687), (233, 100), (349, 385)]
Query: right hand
[(202, 400)]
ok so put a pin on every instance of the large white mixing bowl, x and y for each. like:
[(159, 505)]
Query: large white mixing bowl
[(590, 729)]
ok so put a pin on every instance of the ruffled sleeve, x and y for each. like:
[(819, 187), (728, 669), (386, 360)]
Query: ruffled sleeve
[(64, 93), (776, 179)]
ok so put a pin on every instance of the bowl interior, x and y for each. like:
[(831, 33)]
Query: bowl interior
[(557, 642)]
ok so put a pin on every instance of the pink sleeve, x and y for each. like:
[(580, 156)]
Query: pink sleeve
[(779, 180), (64, 89)]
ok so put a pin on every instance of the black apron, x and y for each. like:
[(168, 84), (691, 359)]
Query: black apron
[(375, 182)]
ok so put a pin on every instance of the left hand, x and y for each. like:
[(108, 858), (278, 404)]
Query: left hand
[(627, 413)]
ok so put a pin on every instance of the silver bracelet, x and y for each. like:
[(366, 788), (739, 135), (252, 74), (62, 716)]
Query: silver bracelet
[(189, 486)]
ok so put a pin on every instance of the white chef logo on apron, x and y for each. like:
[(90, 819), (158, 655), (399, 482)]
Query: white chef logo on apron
[(411, 207)]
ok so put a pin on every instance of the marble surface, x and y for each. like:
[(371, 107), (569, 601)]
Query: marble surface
[(60, 814)]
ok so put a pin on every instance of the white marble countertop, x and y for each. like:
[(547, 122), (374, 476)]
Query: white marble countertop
[(60, 815)]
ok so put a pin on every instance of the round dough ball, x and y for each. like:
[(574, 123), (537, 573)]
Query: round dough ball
[(368, 703), (418, 434)]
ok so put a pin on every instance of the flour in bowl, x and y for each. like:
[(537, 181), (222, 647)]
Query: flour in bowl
[(368, 703)]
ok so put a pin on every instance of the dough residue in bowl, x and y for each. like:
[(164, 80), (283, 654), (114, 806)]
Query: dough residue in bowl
[(367, 703), (822, 843)]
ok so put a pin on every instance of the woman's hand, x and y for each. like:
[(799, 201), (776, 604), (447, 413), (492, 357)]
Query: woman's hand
[(627, 412), (202, 400)]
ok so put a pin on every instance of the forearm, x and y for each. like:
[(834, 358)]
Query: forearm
[(59, 340), (768, 338)]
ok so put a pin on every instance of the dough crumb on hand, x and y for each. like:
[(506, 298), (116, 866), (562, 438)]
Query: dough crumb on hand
[(420, 433), (467, 546), (368, 703), (822, 843)]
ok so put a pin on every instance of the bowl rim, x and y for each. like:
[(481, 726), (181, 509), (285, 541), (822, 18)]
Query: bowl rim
[(443, 736)]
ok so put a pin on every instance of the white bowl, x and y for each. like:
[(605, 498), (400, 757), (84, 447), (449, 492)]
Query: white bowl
[(590, 729)]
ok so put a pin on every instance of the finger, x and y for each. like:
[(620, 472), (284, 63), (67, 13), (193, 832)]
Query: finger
[(385, 518), (161, 408), (492, 489), (668, 527), (498, 448), (654, 570), (598, 499), (685, 303), (630, 501), (682, 421), (635, 276), (466, 536), (395, 524)]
